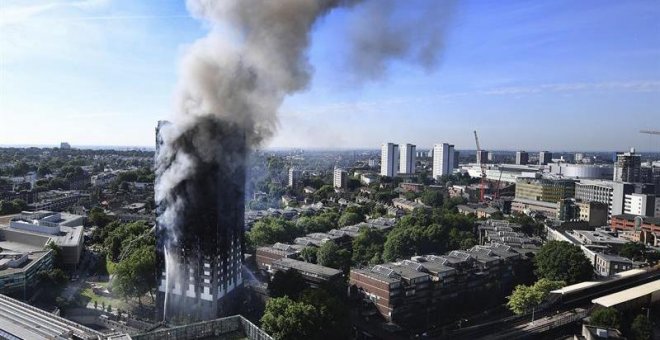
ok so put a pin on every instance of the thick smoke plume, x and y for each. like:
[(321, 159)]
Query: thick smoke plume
[(252, 58)]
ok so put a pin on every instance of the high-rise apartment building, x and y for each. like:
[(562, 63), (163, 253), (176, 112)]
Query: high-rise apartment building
[(482, 156), (295, 178), (627, 167), (407, 157), (389, 159), (456, 157), (340, 178), (443, 159), (579, 156), (522, 158), (545, 157), (199, 229)]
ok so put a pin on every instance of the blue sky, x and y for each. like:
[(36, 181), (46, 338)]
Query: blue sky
[(556, 75)]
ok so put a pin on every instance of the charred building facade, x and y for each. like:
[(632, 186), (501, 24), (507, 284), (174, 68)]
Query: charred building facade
[(199, 231)]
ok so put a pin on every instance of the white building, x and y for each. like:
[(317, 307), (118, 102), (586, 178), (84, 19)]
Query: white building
[(641, 205), (340, 179), (389, 159), (294, 177), (407, 157), (443, 159)]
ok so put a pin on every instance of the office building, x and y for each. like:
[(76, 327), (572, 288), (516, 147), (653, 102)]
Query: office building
[(22, 257), (443, 159), (642, 205), (482, 156), (63, 229), (627, 167), (389, 159), (199, 254), (340, 178), (595, 213), (407, 157), (522, 158), (295, 178), (545, 157), (545, 190)]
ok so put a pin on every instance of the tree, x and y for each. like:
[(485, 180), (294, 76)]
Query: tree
[(367, 244), (633, 250), (98, 217), (287, 319), (308, 254), (316, 315), (331, 255), (641, 328), (271, 230), (137, 270), (350, 218), (433, 198), (288, 283), (605, 317), (562, 261), (332, 314), (96, 304), (524, 297), (57, 254)]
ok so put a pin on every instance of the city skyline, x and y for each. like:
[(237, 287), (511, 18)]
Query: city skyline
[(526, 76)]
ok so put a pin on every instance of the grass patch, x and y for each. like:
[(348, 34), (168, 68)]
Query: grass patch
[(87, 294)]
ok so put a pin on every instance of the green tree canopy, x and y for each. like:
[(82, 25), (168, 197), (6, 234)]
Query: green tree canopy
[(134, 275), (641, 328), (285, 319), (316, 315), (350, 218), (308, 254), (605, 317), (524, 297), (271, 230), (633, 250), (433, 198), (562, 261), (333, 256), (288, 283), (368, 244)]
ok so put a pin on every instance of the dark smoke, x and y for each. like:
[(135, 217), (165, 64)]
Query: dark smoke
[(254, 55)]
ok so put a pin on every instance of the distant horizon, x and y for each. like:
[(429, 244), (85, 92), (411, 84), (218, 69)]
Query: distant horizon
[(293, 148)]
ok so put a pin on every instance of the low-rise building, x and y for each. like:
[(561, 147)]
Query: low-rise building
[(422, 289), (22, 257), (312, 273), (64, 229), (407, 205), (648, 228)]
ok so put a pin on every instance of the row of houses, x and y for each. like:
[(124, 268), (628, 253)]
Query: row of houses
[(282, 256)]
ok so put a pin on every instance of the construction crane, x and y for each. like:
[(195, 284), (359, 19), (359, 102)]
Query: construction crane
[(482, 166)]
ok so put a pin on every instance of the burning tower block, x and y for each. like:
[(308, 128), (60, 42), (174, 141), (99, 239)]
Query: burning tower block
[(200, 233)]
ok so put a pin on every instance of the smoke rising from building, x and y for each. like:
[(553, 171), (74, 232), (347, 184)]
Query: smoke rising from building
[(231, 84)]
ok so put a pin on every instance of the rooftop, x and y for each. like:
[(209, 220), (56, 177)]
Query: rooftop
[(306, 267), (628, 294), (20, 320)]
